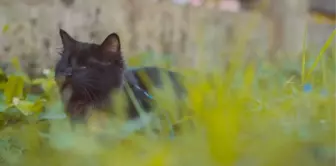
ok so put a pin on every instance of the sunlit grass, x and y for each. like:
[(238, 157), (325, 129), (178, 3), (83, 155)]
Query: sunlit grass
[(236, 121), (252, 114)]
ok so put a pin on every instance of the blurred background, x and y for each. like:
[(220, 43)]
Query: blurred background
[(184, 30), (256, 114)]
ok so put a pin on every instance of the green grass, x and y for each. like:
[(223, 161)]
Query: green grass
[(254, 114)]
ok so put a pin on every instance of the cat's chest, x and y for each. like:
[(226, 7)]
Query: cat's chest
[(71, 98), (68, 95)]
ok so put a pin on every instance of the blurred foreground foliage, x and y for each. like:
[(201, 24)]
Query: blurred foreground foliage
[(251, 114)]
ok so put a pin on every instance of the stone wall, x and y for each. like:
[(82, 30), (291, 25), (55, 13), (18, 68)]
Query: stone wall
[(143, 25)]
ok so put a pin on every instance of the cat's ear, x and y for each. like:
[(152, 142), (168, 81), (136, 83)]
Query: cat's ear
[(111, 43), (67, 41)]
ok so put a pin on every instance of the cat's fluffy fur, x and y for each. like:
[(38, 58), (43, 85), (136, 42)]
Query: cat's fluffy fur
[(88, 73)]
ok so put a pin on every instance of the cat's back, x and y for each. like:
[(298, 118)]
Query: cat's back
[(157, 77)]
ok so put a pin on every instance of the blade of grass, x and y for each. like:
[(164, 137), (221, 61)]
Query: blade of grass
[(322, 51), (137, 106), (324, 72), (303, 61)]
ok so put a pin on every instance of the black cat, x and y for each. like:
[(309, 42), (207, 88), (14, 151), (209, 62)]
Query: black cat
[(88, 73)]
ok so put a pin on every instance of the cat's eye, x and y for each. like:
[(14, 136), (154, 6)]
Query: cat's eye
[(82, 67)]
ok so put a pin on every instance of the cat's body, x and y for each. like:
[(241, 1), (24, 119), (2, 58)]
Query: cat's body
[(88, 73), (155, 75)]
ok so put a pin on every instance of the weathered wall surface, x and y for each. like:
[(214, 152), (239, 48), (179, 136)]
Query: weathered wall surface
[(143, 25)]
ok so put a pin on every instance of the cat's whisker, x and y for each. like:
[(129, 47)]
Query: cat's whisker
[(93, 95), (89, 88), (88, 94)]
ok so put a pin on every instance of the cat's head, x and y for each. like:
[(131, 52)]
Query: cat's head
[(91, 70)]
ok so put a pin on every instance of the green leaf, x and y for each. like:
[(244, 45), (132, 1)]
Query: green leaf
[(3, 77), (38, 81), (28, 107), (24, 76), (13, 88), (16, 63), (5, 28), (2, 85), (25, 107), (38, 106), (48, 85), (19, 72)]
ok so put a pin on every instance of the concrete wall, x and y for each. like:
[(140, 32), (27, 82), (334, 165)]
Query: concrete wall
[(143, 25)]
